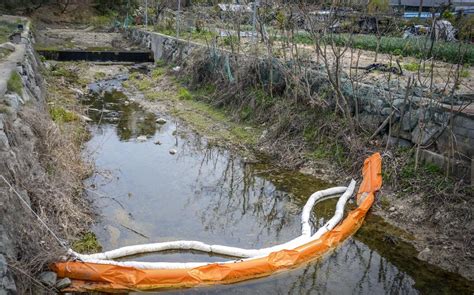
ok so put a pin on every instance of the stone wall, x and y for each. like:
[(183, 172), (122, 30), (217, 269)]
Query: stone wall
[(416, 119), (17, 146)]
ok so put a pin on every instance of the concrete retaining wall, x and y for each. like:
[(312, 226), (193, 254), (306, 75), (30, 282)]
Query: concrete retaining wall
[(416, 120)]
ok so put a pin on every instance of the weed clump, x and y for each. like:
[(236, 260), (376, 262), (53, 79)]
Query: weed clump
[(60, 115), (87, 244), (14, 84), (157, 72), (184, 94), (68, 74), (99, 75), (465, 74), (412, 67)]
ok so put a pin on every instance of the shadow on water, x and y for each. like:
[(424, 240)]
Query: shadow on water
[(208, 194)]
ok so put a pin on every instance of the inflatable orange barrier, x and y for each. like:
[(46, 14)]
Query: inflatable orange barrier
[(113, 278)]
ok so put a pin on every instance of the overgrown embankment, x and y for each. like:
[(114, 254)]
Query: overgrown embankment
[(41, 170), (304, 127)]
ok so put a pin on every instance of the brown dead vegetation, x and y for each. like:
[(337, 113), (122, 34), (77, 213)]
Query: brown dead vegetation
[(50, 175)]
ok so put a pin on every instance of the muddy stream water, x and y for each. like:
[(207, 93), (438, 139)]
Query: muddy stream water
[(145, 194)]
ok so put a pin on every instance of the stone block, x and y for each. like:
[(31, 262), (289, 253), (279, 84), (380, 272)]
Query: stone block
[(458, 168), (48, 278), (409, 120), (7, 285), (422, 135)]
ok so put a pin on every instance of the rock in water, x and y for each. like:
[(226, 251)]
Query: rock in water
[(63, 283), (161, 121), (141, 138), (157, 142), (425, 254), (173, 151), (48, 278)]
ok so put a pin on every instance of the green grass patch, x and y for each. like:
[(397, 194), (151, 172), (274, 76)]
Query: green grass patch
[(60, 115), (412, 67), (246, 113), (262, 97), (135, 76), (143, 85), (325, 151), (230, 40), (184, 94), (87, 244), (465, 73), (66, 44), (200, 116), (4, 109), (203, 118), (158, 95), (4, 52), (384, 202), (416, 47), (99, 75), (14, 84), (70, 76), (204, 91), (426, 175), (158, 72), (409, 171)]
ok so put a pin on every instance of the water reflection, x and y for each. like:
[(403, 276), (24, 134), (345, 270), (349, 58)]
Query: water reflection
[(207, 194), (107, 104)]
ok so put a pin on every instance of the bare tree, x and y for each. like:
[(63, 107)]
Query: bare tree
[(322, 33)]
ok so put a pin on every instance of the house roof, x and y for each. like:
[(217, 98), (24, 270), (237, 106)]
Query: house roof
[(416, 3)]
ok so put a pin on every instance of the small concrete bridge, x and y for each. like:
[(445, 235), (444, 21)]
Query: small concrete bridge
[(98, 56)]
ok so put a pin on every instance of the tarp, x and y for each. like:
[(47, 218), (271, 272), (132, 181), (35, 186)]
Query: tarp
[(113, 278)]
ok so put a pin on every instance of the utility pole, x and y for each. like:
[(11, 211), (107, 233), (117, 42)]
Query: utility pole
[(177, 19), (146, 15)]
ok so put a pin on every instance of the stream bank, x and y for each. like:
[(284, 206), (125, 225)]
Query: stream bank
[(161, 174), (41, 170), (295, 107)]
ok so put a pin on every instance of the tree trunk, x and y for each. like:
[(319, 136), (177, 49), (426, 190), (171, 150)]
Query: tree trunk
[(420, 9)]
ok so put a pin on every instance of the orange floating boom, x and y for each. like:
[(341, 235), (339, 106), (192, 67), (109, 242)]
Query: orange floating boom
[(111, 278)]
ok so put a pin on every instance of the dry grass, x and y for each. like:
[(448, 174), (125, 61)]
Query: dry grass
[(49, 171), (54, 188)]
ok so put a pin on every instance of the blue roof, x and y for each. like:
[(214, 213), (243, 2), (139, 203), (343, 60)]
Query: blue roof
[(415, 14)]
